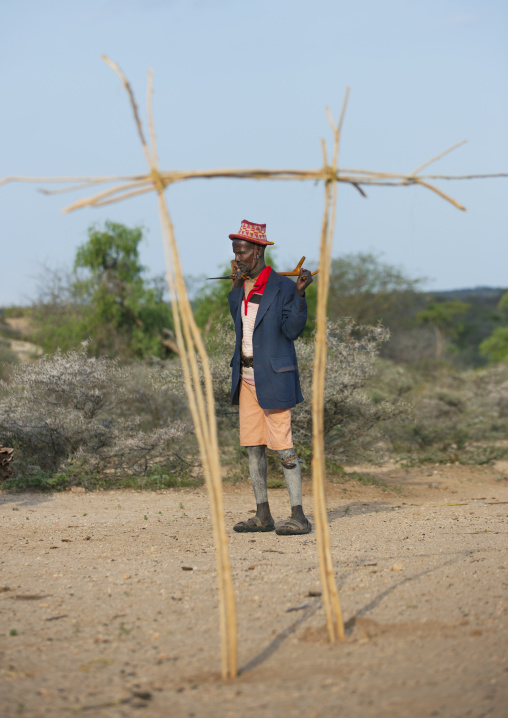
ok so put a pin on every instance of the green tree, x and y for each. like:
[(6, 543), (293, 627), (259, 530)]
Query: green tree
[(108, 300), (368, 290), (211, 299), (495, 347), (443, 316)]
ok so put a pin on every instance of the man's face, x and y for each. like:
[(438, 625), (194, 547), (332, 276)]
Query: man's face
[(246, 255)]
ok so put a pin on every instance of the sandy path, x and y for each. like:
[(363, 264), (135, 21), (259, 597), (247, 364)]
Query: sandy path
[(106, 621)]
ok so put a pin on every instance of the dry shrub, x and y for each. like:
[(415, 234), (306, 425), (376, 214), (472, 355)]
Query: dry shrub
[(220, 345), (7, 358), (352, 414), (69, 412), (459, 415)]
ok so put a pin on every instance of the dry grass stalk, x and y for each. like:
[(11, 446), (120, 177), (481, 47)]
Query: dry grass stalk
[(139, 184), (334, 620), (201, 403)]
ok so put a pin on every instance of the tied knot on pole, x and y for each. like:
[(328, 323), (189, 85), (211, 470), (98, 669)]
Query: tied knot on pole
[(159, 182), (329, 174)]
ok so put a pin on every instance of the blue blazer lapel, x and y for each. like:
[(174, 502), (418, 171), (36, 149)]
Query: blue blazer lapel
[(271, 290)]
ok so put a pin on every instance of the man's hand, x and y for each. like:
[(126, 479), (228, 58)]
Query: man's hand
[(303, 281), (238, 279)]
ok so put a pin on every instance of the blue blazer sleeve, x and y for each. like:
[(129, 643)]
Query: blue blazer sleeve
[(294, 313)]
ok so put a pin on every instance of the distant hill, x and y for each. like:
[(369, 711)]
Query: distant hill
[(487, 295)]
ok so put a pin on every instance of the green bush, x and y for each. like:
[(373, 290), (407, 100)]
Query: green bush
[(107, 300)]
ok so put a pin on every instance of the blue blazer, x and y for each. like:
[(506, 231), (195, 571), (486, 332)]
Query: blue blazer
[(281, 318)]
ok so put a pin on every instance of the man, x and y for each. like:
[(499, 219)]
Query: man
[(269, 312)]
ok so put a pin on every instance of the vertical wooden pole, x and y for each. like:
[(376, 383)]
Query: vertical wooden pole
[(331, 601), (202, 404)]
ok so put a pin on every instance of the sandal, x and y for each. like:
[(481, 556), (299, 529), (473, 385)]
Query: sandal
[(293, 527), (253, 525)]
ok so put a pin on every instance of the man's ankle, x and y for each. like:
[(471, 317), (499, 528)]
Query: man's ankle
[(297, 513), (263, 512)]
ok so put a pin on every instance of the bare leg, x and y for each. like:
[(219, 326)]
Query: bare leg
[(258, 474), (293, 476)]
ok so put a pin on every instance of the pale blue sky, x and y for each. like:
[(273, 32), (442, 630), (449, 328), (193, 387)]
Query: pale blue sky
[(240, 83)]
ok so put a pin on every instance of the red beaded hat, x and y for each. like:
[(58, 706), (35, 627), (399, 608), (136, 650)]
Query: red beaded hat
[(252, 232)]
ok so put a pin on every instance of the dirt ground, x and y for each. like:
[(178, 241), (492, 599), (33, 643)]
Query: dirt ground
[(108, 603)]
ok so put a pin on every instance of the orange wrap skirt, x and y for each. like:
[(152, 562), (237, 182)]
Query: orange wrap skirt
[(258, 427)]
